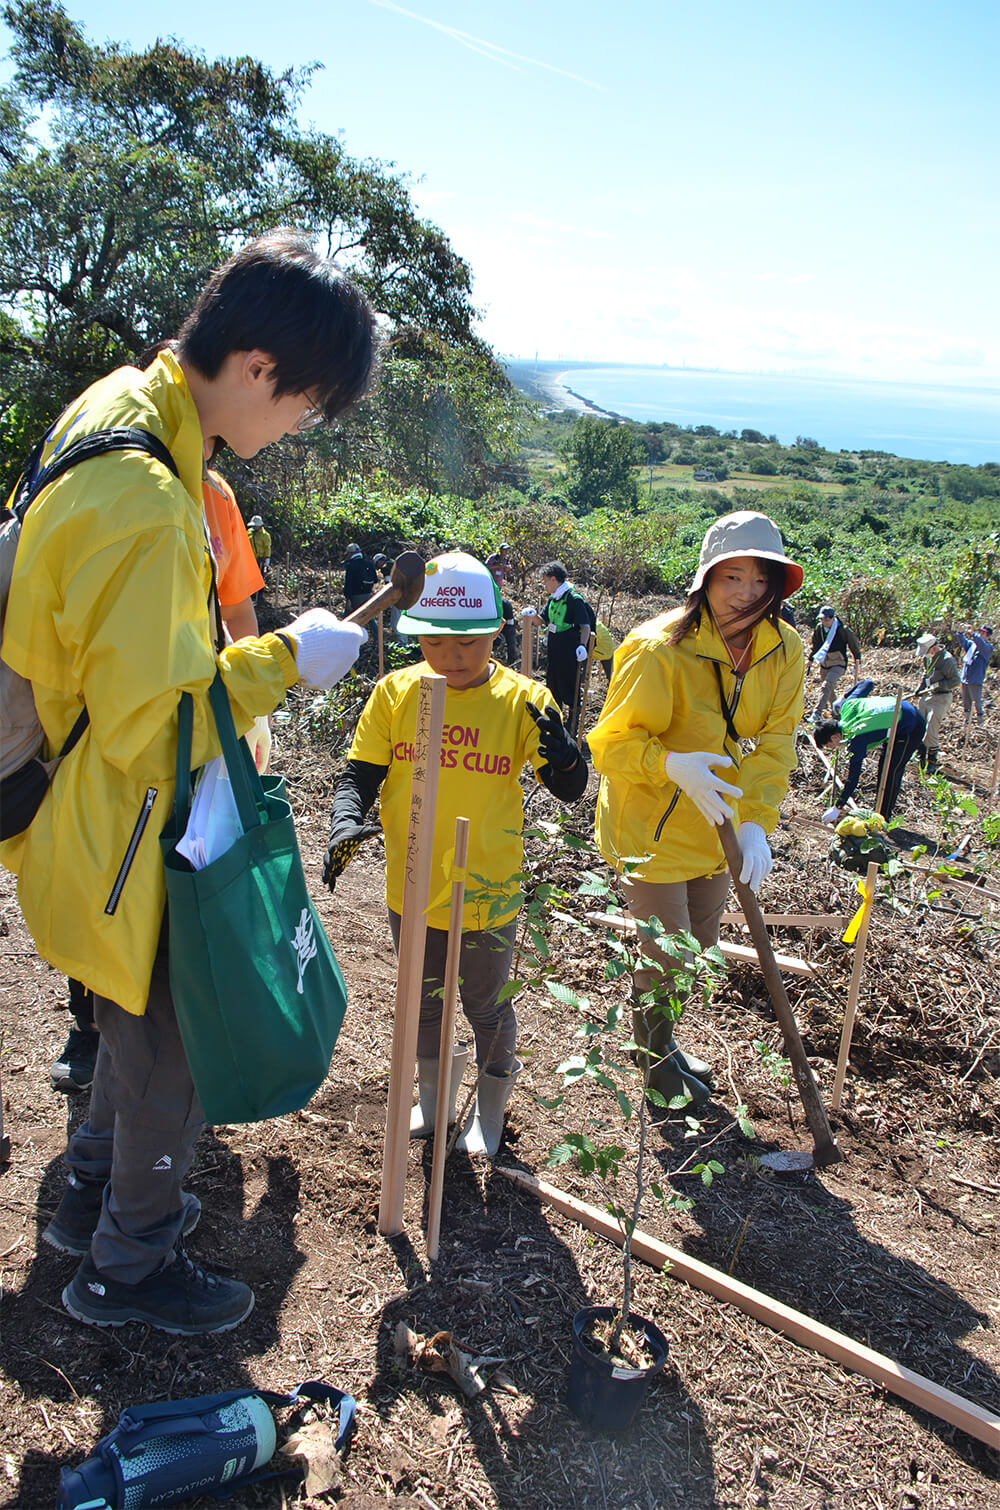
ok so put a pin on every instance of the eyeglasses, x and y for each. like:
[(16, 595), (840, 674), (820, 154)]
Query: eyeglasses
[(310, 418)]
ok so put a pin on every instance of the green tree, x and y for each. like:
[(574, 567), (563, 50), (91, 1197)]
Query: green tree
[(152, 167), (602, 460)]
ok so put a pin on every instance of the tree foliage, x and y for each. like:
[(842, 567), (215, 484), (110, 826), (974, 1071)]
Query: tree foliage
[(149, 169), (602, 460)]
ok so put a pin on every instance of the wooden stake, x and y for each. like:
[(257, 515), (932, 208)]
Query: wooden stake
[(448, 1009), (890, 744), (968, 731), (588, 671), (860, 943), (995, 778), (825, 1150), (527, 645), (412, 937), (885, 1371), (381, 647)]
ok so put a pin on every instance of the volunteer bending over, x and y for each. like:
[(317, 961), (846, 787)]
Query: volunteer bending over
[(688, 688)]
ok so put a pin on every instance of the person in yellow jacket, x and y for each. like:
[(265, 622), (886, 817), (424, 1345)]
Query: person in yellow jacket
[(688, 688), (109, 612)]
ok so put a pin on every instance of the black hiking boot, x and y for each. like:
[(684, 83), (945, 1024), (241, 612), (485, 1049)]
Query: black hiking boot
[(74, 1069), (72, 1227), (181, 1298)]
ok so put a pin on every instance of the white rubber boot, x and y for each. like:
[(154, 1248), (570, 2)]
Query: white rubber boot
[(422, 1114), (483, 1131)]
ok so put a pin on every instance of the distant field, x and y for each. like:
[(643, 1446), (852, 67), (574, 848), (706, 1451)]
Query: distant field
[(676, 476)]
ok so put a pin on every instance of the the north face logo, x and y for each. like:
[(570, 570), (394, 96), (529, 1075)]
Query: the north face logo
[(303, 943)]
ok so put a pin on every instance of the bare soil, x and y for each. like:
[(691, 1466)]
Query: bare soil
[(895, 1246)]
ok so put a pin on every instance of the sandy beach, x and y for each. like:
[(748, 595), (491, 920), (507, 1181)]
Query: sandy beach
[(547, 384)]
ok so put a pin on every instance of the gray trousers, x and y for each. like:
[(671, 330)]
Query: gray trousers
[(140, 1133), (831, 676), (972, 697), (483, 970), (695, 906)]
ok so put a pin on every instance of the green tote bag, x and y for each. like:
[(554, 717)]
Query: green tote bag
[(258, 993)]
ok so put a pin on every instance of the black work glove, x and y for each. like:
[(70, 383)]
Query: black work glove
[(557, 748), (346, 838)]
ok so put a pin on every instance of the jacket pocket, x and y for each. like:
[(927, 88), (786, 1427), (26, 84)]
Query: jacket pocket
[(111, 906), (659, 827)]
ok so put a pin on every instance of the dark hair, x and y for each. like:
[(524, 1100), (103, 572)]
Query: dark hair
[(825, 730), (554, 569), (766, 607), (277, 295)]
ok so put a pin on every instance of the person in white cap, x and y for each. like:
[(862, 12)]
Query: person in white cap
[(831, 641), (938, 685), (260, 539), (495, 721), (687, 689)]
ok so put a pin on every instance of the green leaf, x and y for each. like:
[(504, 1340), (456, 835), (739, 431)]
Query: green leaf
[(562, 993), (627, 1108)]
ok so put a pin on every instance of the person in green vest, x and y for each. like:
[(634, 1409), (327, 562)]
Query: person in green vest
[(865, 723)]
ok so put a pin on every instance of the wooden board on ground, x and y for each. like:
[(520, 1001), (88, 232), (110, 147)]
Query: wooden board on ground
[(972, 1418), (623, 924)]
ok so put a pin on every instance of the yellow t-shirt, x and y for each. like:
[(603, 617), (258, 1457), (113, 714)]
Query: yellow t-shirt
[(488, 735)]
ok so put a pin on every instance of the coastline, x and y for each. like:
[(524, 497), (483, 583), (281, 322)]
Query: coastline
[(547, 386)]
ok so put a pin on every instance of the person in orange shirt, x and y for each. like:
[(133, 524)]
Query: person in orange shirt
[(238, 577)]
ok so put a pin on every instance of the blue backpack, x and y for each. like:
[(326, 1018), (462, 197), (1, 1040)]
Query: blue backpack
[(213, 1444)]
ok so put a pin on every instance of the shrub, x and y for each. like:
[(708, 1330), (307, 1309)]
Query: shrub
[(869, 604)]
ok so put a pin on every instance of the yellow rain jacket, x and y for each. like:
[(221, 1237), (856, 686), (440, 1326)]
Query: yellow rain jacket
[(664, 698), (109, 608)]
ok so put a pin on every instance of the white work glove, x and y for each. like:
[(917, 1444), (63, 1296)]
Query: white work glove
[(258, 737), (529, 613), (325, 649), (581, 652), (831, 815), (756, 855), (820, 657), (692, 771)]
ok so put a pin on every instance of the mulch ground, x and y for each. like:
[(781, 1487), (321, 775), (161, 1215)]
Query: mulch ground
[(896, 1246)]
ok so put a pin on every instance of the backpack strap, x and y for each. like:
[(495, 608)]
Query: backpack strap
[(98, 443)]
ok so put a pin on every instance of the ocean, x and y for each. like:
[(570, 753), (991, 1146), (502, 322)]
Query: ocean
[(909, 419)]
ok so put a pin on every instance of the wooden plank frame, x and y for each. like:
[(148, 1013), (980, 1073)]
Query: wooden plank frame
[(883, 1370)]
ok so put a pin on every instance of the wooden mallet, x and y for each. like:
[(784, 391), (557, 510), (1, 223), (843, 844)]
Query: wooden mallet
[(405, 584)]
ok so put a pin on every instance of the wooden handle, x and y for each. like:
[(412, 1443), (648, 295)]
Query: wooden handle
[(825, 1150), (384, 598)]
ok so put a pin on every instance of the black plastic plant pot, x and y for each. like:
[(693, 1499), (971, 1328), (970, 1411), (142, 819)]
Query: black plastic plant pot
[(605, 1395)]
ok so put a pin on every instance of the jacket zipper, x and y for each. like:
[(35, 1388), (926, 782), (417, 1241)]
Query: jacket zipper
[(133, 844), (673, 804)]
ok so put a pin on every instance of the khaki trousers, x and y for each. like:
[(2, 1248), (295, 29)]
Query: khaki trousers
[(695, 906), (934, 706)]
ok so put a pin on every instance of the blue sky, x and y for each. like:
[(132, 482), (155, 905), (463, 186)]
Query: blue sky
[(779, 187)]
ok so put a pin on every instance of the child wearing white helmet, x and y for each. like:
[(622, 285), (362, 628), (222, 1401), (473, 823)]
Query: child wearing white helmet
[(495, 720), (687, 689)]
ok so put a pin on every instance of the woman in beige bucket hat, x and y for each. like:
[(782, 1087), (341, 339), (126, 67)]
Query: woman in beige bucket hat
[(688, 688)]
